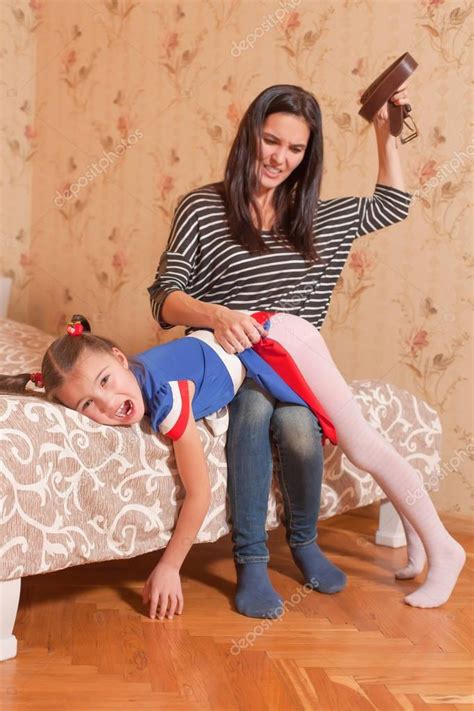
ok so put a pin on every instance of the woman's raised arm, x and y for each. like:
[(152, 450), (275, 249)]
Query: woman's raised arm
[(390, 167)]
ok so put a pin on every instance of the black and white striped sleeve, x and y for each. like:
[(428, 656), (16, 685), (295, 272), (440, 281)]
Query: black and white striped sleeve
[(176, 263), (386, 207)]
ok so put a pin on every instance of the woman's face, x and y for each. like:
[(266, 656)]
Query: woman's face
[(102, 387), (282, 148)]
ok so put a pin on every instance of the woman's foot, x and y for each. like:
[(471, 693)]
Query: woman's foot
[(442, 576), (317, 570), (255, 595), (416, 556)]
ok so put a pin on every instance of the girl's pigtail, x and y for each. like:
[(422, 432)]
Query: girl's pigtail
[(85, 323), (17, 383), (78, 325)]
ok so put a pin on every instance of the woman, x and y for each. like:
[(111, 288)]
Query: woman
[(263, 240)]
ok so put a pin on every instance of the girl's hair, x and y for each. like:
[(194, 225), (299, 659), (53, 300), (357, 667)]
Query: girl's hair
[(60, 358), (296, 199)]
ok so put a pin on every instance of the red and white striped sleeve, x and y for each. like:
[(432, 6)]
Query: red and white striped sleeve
[(172, 415)]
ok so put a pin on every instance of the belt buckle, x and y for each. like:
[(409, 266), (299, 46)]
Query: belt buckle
[(411, 131)]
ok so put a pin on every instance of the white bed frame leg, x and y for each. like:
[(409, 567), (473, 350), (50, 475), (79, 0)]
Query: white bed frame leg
[(9, 600), (390, 531)]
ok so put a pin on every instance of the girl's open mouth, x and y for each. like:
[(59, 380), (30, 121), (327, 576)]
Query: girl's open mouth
[(125, 409)]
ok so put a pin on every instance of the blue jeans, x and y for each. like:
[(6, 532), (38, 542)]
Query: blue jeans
[(255, 417)]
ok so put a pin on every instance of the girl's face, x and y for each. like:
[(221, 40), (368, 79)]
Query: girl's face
[(282, 148), (102, 387)]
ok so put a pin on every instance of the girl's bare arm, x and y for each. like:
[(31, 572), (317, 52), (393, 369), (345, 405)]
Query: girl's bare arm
[(163, 587)]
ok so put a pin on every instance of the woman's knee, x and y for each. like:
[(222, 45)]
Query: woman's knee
[(296, 427)]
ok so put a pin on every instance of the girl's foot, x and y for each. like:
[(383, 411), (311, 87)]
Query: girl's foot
[(441, 578), (255, 595), (318, 571)]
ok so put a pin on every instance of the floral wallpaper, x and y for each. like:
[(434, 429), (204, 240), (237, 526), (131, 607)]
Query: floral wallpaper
[(113, 109), (18, 146)]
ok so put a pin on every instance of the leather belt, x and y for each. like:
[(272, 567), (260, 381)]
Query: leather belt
[(382, 89)]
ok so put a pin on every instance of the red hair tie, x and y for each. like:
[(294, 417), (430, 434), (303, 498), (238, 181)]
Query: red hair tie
[(37, 379), (74, 328)]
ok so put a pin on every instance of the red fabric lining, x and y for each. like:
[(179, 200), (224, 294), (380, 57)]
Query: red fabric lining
[(284, 365)]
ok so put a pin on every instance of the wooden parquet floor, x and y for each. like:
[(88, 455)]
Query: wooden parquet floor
[(85, 642)]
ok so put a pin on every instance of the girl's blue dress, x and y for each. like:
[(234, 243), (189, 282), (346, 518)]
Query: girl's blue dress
[(162, 371)]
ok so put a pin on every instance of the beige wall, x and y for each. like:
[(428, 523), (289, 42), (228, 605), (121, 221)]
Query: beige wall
[(18, 146), (80, 76)]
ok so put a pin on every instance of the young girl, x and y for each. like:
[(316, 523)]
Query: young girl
[(192, 377)]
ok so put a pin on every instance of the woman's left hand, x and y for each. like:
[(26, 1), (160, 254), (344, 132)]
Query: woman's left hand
[(399, 98)]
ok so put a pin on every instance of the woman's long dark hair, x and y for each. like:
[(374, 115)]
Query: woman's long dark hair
[(296, 199)]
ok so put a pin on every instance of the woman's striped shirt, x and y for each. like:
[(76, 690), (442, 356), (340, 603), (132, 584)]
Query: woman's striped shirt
[(202, 260)]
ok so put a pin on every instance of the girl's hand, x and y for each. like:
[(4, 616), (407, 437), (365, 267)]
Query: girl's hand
[(236, 331), (399, 98), (163, 591)]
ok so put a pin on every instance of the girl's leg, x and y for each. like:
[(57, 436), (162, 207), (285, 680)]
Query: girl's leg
[(368, 450)]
